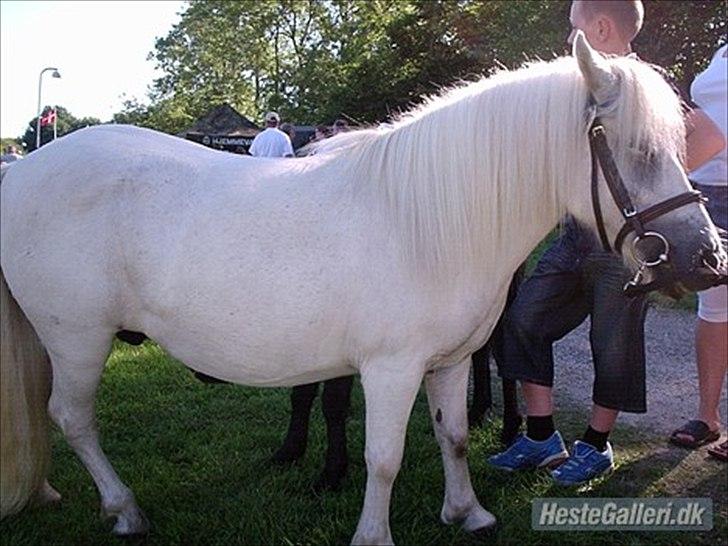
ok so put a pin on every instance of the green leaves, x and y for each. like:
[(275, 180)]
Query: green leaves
[(316, 60)]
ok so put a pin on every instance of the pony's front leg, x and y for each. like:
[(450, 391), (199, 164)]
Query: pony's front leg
[(390, 389), (447, 396)]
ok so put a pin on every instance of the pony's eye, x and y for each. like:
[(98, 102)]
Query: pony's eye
[(643, 160)]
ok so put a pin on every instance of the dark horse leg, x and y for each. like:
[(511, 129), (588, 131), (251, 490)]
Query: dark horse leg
[(512, 419), (294, 445), (335, 403), (482, 394)]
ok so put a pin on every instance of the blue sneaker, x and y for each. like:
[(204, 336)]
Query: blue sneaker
[(526, 453), (586, 463)]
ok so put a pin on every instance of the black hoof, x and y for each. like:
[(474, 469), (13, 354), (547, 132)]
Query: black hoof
[(328, 484), (476, 419), (286, 455)]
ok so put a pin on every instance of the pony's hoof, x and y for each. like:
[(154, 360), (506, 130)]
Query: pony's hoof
[(486, 534), (48, 495), (476, 419), (327, 484), (480, 522), (287, 455), (131, 525)]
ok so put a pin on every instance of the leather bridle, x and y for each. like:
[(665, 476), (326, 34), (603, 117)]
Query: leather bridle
[(601, 156)]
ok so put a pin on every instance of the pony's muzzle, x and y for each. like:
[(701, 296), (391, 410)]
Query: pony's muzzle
[(710, 262)]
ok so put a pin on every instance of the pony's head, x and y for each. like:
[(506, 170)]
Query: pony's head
[(638, 144)]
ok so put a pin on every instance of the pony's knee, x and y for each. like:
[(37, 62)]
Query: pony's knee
[(452, 435), (454, 441), (383, 464), (458, 444)]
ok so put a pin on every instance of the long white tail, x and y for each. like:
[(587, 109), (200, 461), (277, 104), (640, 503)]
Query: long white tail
[(25, 380)]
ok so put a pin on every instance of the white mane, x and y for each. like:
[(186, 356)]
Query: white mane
[(456, 170)]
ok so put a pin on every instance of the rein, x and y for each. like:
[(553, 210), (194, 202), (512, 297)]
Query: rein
[(601, 156)]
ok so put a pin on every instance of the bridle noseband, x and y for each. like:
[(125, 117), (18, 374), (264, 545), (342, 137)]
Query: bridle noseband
[(601, 156)]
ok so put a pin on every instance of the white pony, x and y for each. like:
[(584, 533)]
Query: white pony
[(388, 253)]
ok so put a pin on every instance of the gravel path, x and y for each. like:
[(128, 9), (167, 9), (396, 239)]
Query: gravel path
[(672, 381)]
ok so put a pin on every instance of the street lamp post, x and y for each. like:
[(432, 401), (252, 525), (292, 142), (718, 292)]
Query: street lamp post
[(56, 74)]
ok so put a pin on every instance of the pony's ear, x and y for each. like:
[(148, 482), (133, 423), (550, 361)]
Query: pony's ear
[(600, 81)]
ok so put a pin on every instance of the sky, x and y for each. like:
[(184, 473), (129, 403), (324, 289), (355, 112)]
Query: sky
[(100, 48)]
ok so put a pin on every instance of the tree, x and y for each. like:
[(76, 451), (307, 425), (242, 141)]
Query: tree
[(66, 123), (5, 142), (315, 60), (682, 36)]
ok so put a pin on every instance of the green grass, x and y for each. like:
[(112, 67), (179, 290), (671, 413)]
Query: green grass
[(196, 457)]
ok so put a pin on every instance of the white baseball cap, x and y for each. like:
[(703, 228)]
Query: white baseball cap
[(272, 116)]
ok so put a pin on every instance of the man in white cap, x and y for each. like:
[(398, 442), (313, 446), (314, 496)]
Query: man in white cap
[(272, 142)]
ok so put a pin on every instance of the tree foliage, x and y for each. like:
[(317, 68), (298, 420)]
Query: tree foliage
[(66, 123), (314, 60)]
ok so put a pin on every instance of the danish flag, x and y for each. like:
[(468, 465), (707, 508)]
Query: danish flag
[(48, 119)]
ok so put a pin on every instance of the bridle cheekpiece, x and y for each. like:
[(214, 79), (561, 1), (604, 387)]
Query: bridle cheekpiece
[(634, 220)]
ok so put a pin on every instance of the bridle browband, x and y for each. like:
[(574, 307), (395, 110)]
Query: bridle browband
[(601, 156)]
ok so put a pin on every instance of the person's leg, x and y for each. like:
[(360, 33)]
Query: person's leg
[(617, 341), (539, 411), (549, 305), (711, 343), (600, 425)]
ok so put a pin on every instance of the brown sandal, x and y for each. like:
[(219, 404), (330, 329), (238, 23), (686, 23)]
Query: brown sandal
[(699, 433), (719, 451)]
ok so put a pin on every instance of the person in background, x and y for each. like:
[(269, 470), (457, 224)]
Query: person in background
[(272, 142), (709, 91), (576, 278), (322, 132), (340, 126), (11, 154)]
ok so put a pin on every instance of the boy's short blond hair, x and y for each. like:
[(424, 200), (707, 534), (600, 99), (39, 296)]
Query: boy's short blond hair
[(628, 15)]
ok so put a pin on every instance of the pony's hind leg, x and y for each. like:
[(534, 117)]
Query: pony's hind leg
[(482, 392), (335, 402), (447, 395), (294, 445), (390, 389), (76, 376)]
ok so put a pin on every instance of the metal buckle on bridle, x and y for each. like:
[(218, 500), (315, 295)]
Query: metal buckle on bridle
[(662, 257), (643, 264), (597, 130)]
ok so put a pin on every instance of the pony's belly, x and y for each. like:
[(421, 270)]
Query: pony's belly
[(273, 361), (289, 378)]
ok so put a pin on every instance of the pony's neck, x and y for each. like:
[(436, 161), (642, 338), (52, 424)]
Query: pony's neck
[(480, 174)]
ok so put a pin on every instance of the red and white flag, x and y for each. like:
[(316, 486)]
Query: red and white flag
[(48, 119)]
